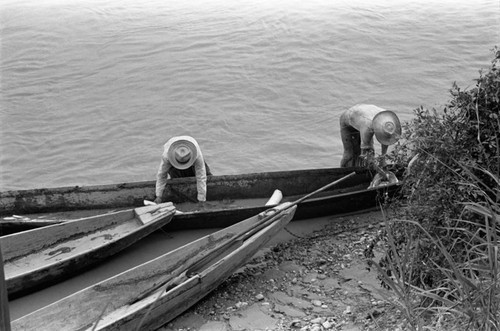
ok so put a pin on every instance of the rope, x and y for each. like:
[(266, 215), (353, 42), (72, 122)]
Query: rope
[(293, 234)]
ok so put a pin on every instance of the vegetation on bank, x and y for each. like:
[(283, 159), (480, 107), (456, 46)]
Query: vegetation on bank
[(442, 258)]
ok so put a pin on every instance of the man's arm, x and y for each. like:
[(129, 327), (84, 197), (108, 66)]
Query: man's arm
[(201, 178), (366, 146), (161, 178)]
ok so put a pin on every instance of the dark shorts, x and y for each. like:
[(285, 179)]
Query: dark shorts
[(351, 140)]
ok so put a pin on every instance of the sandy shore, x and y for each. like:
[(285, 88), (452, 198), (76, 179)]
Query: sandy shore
[(317, 280)]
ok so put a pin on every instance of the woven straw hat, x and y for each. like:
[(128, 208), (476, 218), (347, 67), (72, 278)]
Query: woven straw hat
[(387, 127), (182, 154)]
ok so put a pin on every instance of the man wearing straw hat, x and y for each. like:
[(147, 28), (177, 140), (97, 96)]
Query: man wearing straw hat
[(182, 157), (358, 125)]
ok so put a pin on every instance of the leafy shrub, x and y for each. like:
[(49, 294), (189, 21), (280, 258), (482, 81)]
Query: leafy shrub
[(463, 135), (445, 252)]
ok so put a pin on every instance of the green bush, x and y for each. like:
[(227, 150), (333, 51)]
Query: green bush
[(463, 135), (442, 254)]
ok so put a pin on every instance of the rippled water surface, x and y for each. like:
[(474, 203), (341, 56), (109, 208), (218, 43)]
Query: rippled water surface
[(92, 89)]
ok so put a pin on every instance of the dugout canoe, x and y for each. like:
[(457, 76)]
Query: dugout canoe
[(40, 257), (230, 198), (152, 294)]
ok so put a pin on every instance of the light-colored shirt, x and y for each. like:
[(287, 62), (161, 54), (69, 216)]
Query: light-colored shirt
[(360, 117), (199, 166)]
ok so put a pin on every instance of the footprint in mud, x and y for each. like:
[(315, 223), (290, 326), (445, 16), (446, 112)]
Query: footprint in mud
[(60, 251)]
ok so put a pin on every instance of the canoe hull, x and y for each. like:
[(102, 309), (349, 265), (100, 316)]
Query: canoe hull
[(38, 258), (126, 299), (234, 197)]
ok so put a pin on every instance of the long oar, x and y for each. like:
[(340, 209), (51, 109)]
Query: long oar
[(262, 223), (239, 238)]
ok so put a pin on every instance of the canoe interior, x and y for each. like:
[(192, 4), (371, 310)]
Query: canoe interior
[(172, 303), (32, 249), (35, 258), (126, 297), (230, 198), (219, 188)]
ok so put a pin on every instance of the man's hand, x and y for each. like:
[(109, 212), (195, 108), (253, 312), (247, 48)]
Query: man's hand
[(367, 158), (157, 200)]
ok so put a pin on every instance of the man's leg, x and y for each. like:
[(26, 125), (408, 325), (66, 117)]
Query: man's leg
[(351, 141)]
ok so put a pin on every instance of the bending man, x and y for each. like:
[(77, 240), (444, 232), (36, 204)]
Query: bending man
[(358, 125), (182, 157)]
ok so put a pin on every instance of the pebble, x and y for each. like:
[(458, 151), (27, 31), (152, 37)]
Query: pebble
[(327, 325), (241, 304), (259, 297), (317, 320), (317, 303)]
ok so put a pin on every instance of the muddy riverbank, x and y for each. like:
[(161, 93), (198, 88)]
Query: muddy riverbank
[(317, 280)]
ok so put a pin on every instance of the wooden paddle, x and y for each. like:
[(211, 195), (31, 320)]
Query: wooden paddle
[(386, 177), (381, 171), (236, 241)]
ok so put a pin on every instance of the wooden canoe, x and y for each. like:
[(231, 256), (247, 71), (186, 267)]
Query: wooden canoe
[(40, 257), (150, 295), (230, 198)]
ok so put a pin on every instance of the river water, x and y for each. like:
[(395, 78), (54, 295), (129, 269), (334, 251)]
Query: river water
[(92, 89)]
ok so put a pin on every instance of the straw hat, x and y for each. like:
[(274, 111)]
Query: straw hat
[(387, 127), (182, 154)]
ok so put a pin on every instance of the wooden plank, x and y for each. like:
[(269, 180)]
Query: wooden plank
[(148, 213), (4, 302)]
